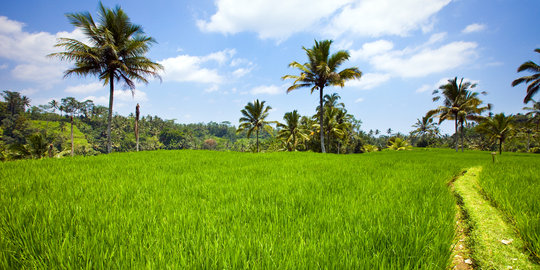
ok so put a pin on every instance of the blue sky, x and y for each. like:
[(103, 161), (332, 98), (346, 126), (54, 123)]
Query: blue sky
[(219, 55)]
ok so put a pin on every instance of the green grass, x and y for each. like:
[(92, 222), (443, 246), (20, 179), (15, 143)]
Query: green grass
[(513, 185), (202, 209), (488, 229)]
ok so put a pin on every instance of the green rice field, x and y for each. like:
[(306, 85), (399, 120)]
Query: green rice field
[(513, 185), (203, 209)]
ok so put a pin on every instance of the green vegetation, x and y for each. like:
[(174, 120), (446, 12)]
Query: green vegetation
[(320, 71), (512, 184), (488, 229), (54, 128), (114, 50), (230, 210)]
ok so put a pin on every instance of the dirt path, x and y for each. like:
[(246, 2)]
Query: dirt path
[(484, 231)]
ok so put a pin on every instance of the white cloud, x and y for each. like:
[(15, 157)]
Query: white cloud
[(358, 100), (8, 26), (204, 69), (85, 88), (269, 19), (385, 17), (240, 72), (413, 63), (29, 51), (4, 66), (369, 81), (371, 49), (436, 38), (280, 19), (187, 68), (220, 56), (268, 90), (475, 27)]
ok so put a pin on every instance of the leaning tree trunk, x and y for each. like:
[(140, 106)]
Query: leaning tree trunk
[(137, 114), (321, 120), (456, 134), (109, 119), (72, 152)]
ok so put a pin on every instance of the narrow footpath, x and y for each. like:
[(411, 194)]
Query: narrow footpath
[(485, 240)]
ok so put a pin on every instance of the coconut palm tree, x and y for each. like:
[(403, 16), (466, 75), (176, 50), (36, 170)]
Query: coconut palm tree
[(320, 71), (533, 80), (458, 102), (115, 52), (498, 127), (53, 104), (15, 103), (254, 119), (425, 127), (291, 131)]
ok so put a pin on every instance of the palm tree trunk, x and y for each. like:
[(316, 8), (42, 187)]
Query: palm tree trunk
[(137, 114), (257, 140), (456, 133), (462, 136), (294, 140), (528, 141), (72, 152), (500, 146), (109, 119), (321, 121)]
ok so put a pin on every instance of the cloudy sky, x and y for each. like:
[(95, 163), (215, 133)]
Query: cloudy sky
[(219, 55)]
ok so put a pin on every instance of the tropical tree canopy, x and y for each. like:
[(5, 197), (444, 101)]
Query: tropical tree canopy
[(320, 71), (114, 50), (532, 80), (291, 132), (254, 119), (459, 104), (498, 127)]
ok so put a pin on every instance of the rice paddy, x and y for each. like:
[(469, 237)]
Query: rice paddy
[(202, 209)]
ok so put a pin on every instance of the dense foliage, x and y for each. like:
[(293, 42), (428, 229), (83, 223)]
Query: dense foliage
[(342, 132)]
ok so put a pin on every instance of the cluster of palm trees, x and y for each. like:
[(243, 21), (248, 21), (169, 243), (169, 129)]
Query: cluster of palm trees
[(299, 132)]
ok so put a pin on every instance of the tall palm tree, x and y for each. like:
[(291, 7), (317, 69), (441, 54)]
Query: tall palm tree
[(291, 132), (472, 111), (320, 71), (533, 80), (254, 119), (458, 101), (498, 127), (116, 52)]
